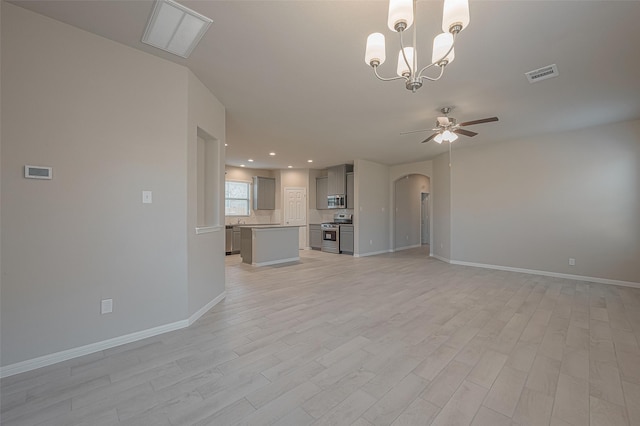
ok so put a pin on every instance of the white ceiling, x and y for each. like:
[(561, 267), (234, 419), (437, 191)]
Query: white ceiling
[(293, 78)]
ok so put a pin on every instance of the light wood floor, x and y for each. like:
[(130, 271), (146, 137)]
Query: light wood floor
[(397, 339)]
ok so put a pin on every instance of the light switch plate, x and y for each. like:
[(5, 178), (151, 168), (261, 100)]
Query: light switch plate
[(146, 197), (106, 306)]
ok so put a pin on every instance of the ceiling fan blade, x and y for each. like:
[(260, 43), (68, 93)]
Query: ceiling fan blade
[(465, 132), (429, 138), (414, 131), (484, 120)]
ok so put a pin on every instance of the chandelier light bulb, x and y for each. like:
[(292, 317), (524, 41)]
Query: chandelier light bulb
[(441, 45), (376, 51), (400, 15), (455, 16), (403, 69)]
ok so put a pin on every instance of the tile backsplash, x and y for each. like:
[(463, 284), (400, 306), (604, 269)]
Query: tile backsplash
[(256, 217)]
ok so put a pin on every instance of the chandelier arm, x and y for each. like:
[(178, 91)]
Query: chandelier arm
[(404, 56), (415, 40), (375, 70), (439, 60), (433, 78)]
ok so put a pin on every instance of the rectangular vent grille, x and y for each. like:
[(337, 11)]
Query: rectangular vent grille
[(38, 172), (543, 73)]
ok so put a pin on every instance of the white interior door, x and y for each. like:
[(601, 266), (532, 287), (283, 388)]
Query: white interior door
[(295, 211)]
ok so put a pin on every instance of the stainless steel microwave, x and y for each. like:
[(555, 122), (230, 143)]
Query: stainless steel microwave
[(336, 201)]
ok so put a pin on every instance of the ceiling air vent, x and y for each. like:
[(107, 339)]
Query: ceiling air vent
[(542, 73), (175, 28)]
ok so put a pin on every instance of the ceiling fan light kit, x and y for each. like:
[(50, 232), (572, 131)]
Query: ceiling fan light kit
[(447, 128), (401, 16)]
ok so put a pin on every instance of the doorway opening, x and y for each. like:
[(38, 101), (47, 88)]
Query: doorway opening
[(412, 214)]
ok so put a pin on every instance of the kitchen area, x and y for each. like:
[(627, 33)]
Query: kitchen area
[(254, 203), (334, 232)]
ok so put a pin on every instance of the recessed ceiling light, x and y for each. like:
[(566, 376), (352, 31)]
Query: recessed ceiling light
[(242, 165), (226, 144), (309, 161), (175, 28), (272, 153), (291, 167), (250, 160)]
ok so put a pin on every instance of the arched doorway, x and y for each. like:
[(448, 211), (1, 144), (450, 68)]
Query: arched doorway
[(411, 211)]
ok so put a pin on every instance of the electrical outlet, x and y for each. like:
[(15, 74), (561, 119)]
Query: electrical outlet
[(572, 261), (370, 242), (147, 197), (106, 306)]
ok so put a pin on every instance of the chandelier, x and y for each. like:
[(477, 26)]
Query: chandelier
[(401, 12)]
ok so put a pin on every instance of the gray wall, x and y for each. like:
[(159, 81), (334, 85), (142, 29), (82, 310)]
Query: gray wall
[(205, 251), (537, 202), (407, 210), (111, 121), (441, 208), (371, 216)]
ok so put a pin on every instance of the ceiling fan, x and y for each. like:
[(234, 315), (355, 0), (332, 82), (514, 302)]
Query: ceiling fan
[(447, 128)]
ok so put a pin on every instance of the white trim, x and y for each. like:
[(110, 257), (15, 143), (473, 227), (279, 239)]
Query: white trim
[(444, 259), (200, 312), (45, 360), (275, 262), (406, 247), (373, 253), (208, 229), (548, 274)]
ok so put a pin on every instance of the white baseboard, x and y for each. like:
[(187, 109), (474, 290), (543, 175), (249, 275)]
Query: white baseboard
[(406, 247), (444, 259), (275, 262), (373, 253), (548, 274), (43, 361), (200, 312)]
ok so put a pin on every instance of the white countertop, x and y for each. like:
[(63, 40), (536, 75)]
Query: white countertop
[(258, 226)]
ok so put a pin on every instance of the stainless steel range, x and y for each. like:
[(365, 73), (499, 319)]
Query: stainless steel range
[(331, 232)]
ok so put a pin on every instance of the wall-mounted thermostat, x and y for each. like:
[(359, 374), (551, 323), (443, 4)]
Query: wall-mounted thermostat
[(38, 172)]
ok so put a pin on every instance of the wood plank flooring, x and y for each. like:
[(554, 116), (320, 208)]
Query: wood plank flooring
[(395, 339)]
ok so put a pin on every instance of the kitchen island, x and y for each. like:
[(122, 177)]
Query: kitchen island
[(263, 245)]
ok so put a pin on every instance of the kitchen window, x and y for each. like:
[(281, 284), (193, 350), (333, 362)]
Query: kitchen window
[(236, 198)]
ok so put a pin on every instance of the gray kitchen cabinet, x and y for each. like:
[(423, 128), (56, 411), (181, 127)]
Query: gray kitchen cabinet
[(264, 193), (337, 182), (346, 239), (315, 237), (235, 244), (350, 191), (321, 193), (228, 239)]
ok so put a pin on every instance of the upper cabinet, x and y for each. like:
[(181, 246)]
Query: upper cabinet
[(337, 180), (337, 175), (321, 193), (264, 193), (350, 191)]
